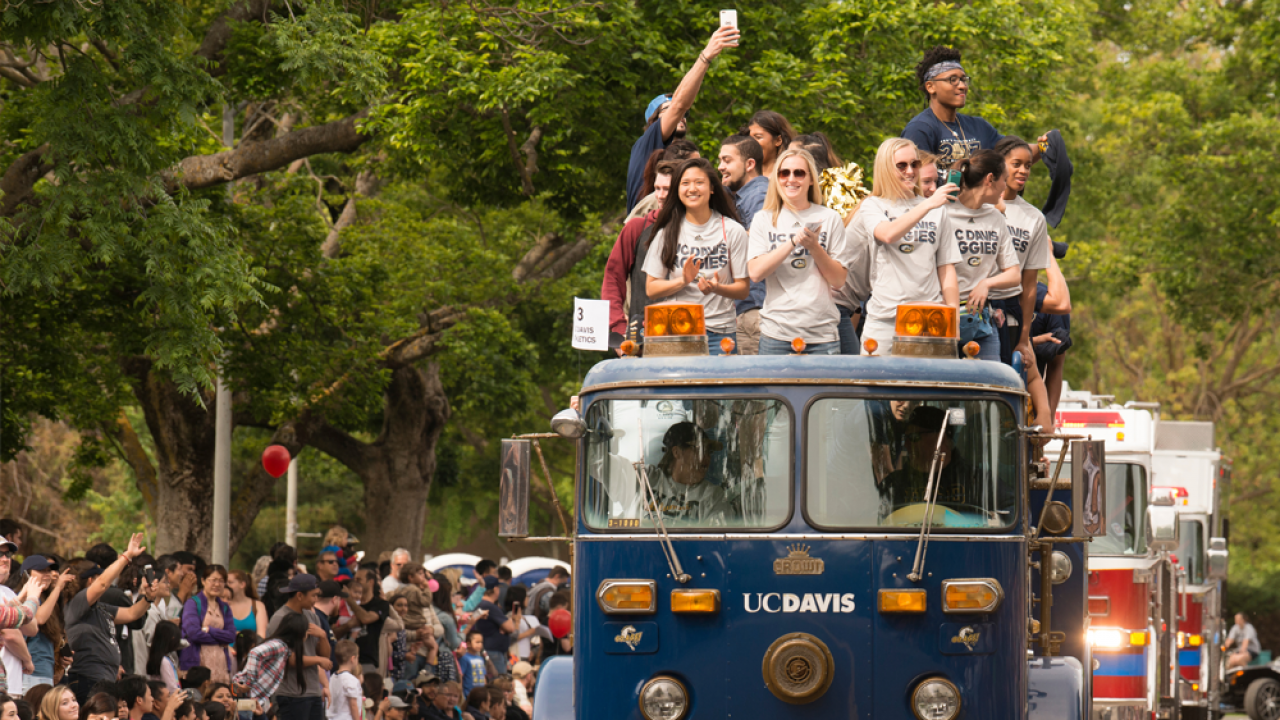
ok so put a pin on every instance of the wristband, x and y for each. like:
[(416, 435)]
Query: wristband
[(704, 59)]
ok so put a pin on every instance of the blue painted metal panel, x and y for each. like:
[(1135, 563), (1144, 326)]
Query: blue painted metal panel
[(1189, 658), (1121, 664)]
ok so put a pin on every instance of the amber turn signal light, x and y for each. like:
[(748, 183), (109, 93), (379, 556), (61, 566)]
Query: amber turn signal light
[(797, 346), (727, 345), (627, 597), (972, 348), (871, 345), (695, 601), (902, 601), (629, 348)]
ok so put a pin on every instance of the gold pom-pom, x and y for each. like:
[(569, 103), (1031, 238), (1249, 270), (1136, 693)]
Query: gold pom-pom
[(842, 188)]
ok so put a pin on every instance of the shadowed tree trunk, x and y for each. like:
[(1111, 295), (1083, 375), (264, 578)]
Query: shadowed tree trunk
[(397, 467), (179, 487)]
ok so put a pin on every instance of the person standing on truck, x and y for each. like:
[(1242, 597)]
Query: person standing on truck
[(1244, 638), (699, 250), (910, 261)]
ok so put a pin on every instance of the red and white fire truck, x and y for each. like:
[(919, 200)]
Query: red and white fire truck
[(1133, 579)]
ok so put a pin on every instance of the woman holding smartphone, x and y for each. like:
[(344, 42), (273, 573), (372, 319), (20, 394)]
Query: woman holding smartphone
[(798, 248), (988, 261), (910, 261), (699, 250)]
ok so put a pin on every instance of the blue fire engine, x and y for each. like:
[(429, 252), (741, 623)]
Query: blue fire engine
[(813, 536)]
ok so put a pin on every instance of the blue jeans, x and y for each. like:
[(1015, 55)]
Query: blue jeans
[(769, 346), (1009, 334), (980, 328), (714, 338), (849, 343)]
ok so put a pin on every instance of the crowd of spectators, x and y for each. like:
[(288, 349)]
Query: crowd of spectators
[(130, 636)]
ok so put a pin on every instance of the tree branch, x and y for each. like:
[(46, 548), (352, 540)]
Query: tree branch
[(219, 32), (136, 456), (201, 171), (20, 178), (366, 185)]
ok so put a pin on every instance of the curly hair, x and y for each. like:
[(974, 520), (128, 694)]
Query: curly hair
[(933, 56)]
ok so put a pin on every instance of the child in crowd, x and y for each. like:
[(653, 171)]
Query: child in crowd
[(345, 691), (474, 663)]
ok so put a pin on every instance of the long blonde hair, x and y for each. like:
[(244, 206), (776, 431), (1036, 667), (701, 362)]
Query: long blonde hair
[(885, 183), (773, 200)]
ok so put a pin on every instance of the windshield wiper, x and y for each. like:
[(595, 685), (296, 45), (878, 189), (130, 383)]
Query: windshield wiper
[(650, 501), (931, 498)]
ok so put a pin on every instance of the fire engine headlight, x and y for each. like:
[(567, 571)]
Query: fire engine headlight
[(936, 699), (1059, 567), (664, 698), (1106, 638)]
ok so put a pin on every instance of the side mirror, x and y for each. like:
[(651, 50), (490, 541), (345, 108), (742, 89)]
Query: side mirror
[(513, 491), (568, 424), (1162, 523), (1217, 559)]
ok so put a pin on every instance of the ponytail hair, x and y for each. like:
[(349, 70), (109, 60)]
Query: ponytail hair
[(673, 211), (974, 170)]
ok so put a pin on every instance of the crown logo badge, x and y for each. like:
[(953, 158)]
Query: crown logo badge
[(798, 562)]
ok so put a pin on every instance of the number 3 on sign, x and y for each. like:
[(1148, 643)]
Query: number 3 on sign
[(590, 324)]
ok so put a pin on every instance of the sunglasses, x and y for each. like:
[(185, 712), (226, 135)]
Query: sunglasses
[(902, 166), (5, 554), (784, 173)]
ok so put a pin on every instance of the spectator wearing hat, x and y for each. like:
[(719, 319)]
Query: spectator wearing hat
[(16, 657), (523, 676), (444, 705), (393, 708), (89, 623), (665, 115), (43, 646), (305, 700), (333, 597), (494, 625)]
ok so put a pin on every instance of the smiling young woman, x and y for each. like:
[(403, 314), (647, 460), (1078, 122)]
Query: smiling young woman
[(701, 250), (798, 248), (910, 262)]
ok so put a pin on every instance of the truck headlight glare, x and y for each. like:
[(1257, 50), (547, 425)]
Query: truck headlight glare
[(936, 699), (664, 698)]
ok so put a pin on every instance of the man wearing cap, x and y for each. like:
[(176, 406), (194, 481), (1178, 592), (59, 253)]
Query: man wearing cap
[(665, 115), (308, 701), (332, 597), (444, 706), (17, 659), (522, 673), (679, 479), (909, 485), (39, 646), (495, 626), (394, 707)]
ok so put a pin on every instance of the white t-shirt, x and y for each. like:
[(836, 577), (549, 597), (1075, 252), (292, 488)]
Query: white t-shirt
[(391, 584), (857, 285), (524, 648), (982, 237), (12, 664), (797, 301), (721, 244), (905, 270), (1030, 236), (342, 687)]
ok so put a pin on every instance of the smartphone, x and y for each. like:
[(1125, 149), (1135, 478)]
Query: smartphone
[(949, 176), (729, 17), (816, 227), (149, 574), (246, 705)]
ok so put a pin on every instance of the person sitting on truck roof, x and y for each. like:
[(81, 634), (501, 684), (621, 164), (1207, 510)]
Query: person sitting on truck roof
[(679, 479), (1245, 638)]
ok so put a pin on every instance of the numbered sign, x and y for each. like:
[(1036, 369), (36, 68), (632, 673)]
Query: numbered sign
[(590, 324)]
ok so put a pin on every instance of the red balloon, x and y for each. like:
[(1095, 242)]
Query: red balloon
[(560, 621), (275, 459)]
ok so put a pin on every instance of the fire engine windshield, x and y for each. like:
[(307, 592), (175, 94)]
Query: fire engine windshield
[(1126, 510), (710, 463), (1191, 550), (869, 461)]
